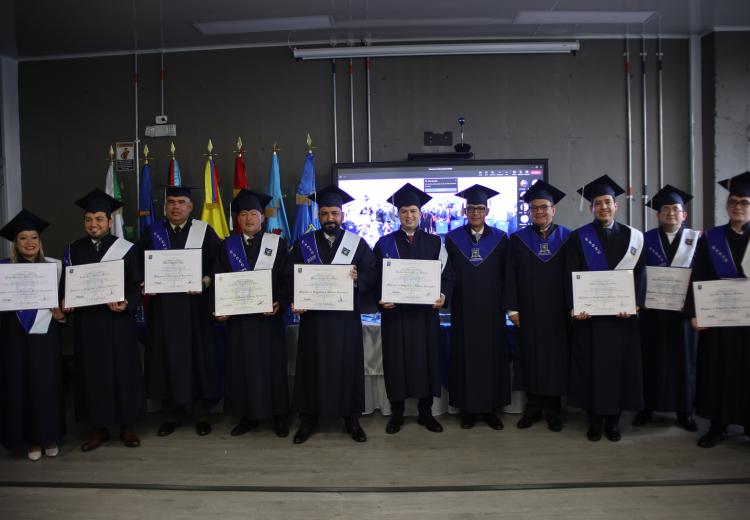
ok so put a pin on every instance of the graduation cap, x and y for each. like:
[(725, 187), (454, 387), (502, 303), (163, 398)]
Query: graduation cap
[(331, 196), (739, 185), (409, 195), (96, 200), (247, 200), (178, 191), (543, 190), (604, 185), (668, 195), (477, 194), (24, 221)]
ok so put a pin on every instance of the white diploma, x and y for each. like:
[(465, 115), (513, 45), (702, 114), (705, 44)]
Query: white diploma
[(244, 292), (411, 281), (27, 286), (173, 271), (666, 287), (603, 293), (323, 287), (722, 303), (94, 284)]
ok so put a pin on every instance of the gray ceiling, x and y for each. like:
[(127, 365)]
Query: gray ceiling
[(54, 27)]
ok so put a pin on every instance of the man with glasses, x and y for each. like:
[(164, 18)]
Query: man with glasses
[(535, 301), (723, 364), (479, 375), (605, 364), (669, 343)]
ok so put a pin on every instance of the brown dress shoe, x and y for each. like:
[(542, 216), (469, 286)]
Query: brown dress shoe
[(97, 437), (129, 438)]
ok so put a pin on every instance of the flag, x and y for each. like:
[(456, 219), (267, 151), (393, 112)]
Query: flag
[(213, 209), (306, 218), (276, 221), (112, 188), (145, 199), (174, 178), (240, 179)]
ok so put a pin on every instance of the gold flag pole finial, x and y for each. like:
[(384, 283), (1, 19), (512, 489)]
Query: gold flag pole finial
[(111, 153), (309, 144), (145, 154), (275, 147), (210, 149), (239, 149), (171, 149)]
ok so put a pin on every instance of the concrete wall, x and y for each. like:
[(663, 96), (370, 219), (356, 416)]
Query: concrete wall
[(570, 109)]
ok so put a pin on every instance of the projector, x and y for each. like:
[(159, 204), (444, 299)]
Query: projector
[(161, 129)]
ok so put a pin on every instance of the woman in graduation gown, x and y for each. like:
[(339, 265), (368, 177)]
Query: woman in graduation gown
[(723, 364), (32, 409), (257, 386)]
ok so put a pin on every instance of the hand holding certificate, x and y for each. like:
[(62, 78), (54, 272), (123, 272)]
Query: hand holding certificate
[(245, 292), (411, 281), (667, 287), (323, 287), (603, 293), (173, 271), (27, 286), (722, 303), (94, 284)]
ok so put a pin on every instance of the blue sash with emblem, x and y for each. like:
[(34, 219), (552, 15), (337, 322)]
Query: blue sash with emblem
[(544, 250), (476, 252), (655, 255), (159, 236), (26, 317), (388, 245), (235, 247), (593, 251), (719, 253), (308, 247)]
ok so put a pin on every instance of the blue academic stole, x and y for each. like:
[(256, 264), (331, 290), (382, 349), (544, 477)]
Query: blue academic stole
[(476, 252), (236, 253), (159, 236), (544, 250), (308, 247), (655, 255), (719, 253), (593, 251), (388, 245), (26, 317)]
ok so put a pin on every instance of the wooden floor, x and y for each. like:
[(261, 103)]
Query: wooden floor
[(654, 472)]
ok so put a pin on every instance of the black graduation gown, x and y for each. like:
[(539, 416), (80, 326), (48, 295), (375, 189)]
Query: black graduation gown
[(479, 373), (108, 373), (536, 289), (329, 376), (181, 358), (256, 384), (411, 333), (723, 363), (32, 393), (606, 372), (669, 347)]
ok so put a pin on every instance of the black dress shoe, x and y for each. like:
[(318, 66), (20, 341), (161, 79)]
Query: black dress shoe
[(129, 438), (168, 428), (202, 428), (493, 421), (355, 430), (303, 433), (527, 420), (612, 431), (244, 426), (594, 433), (713, 437), (429, 422), (687, 422), (394, 424), (641, 418), (554, 424), (281, 426), (468, 420), (97, 437)]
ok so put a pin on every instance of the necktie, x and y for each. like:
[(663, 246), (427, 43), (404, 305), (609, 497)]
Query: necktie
[(331, 240), (97, 246), (410, 239), (177, 230)]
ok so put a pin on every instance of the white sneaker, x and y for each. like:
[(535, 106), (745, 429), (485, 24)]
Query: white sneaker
[(35, 453), (51, 450)]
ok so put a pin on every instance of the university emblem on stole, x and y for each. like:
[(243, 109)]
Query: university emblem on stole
[(544, 249), (475, 255)]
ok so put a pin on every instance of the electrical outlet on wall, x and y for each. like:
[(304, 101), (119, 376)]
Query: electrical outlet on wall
[(438, 139)]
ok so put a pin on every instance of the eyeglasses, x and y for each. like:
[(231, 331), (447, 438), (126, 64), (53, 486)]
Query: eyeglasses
[(739, 203), (543, 208), (476, 209)]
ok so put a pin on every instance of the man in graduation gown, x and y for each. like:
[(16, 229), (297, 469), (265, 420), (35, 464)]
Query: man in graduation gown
[(606, 374), (329, 377), (669, 342), (109, 386), (535, 301), (182, 366), (257, 386), (723, 363), (411, 333), (479, 374)]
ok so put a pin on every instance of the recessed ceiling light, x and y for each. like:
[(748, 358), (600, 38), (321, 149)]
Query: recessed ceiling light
[(292, 23), (581, 17)]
